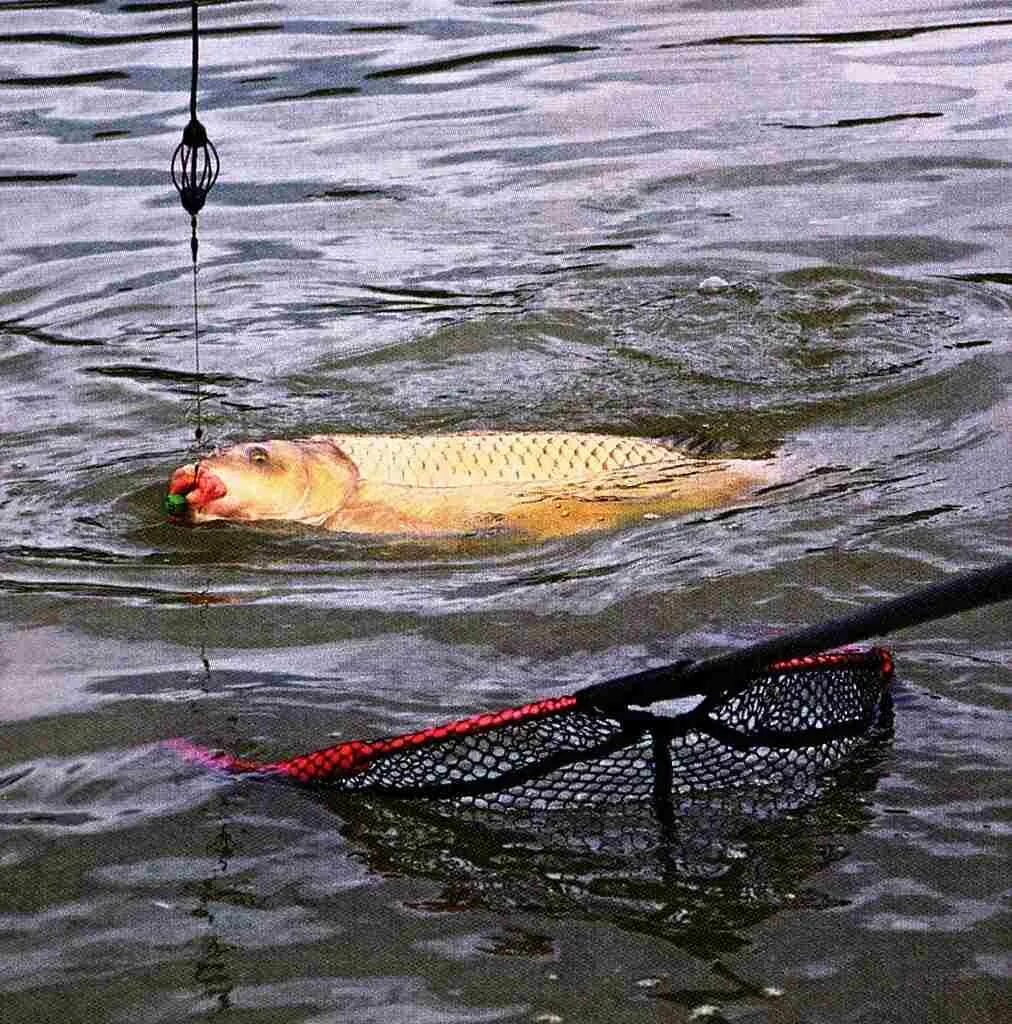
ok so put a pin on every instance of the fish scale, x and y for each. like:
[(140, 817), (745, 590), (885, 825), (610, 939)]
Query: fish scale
[(458, 460)]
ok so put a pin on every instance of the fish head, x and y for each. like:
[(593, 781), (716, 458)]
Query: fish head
[(293, 481)]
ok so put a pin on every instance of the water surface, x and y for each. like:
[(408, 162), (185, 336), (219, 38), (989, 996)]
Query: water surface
[(438, 216)]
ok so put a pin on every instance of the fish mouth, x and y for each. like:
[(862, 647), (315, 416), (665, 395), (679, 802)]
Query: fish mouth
[(191, 490)]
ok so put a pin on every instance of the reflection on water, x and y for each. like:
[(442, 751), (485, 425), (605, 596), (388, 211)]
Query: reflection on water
[(481, 215)]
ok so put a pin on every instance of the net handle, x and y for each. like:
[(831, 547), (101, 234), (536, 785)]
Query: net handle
[(719, 674)]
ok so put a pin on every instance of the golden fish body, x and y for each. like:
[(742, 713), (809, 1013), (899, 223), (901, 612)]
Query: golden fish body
[(540, 484), (508, 458)]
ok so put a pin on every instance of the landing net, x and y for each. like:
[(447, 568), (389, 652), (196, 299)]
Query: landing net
[(780, 730)]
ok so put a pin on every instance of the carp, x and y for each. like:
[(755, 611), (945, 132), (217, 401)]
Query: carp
[(534, 484)]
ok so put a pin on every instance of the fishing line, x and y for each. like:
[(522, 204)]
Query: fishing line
[(198, 432), (194, 170)]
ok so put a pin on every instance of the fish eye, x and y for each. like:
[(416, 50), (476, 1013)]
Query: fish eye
[(258, 455)]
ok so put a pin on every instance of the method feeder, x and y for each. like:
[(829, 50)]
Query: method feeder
[(195, 163)]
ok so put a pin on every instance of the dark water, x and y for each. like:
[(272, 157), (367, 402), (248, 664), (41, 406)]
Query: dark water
[(491, 214)]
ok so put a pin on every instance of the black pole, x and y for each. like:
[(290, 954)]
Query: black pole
[(686, 678)]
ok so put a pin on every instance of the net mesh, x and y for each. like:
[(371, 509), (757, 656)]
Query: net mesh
[(774, 734)]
